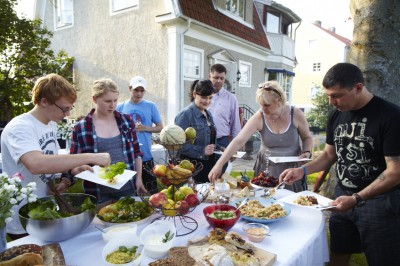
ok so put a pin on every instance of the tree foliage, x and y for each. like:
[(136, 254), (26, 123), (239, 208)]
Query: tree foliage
[(317, 117), (25, 55)]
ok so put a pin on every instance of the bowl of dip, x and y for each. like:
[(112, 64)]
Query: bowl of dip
[(221, 216), (121, 251), (256, 232), (157, 238), (118, 230)]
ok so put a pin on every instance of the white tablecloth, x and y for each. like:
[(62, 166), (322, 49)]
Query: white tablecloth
[(299, 239)]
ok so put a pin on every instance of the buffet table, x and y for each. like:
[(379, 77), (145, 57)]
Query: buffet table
[(299, 239)]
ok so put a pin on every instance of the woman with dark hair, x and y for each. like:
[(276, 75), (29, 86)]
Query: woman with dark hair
[(196, 115)]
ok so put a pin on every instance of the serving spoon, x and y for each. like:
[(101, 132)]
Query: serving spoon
[(244, 202), (272, 191)]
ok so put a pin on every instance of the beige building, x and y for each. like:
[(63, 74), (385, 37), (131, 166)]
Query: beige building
[(171, 43), (317, 49)]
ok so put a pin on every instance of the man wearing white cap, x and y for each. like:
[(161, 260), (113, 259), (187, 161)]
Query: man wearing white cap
[(148, 121)]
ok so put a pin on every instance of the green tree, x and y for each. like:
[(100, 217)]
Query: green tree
[(317, 117), (25, 55)]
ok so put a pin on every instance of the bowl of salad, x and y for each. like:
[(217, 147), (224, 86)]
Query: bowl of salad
[(221, 216), (43, 219), (126, 210)]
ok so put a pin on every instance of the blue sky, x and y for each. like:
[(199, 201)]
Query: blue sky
[(332, 13)]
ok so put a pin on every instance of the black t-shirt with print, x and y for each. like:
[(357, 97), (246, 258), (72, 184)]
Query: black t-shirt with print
[(362, 138)]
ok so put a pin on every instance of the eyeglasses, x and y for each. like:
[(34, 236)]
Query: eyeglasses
[(65, 109), (269, 88)]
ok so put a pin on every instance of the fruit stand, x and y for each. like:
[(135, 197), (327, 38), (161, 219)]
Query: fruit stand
[(178, 194)]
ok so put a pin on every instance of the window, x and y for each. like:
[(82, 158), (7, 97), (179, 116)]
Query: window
[(63, 13), (314, 91), (273, 23), (245, 70), (119, 5), (192, 62), (287, 86), (316, 67), (236, 7)]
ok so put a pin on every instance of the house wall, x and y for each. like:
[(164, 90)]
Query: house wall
[(244, 95), (117, 46), (328, 51)]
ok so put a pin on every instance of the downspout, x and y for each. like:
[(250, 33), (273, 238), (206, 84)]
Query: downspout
[(182, 43)]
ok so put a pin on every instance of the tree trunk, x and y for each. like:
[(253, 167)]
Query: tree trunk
[(375, 50), (376, 44)]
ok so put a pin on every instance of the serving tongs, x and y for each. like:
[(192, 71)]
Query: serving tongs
[(64, 206)]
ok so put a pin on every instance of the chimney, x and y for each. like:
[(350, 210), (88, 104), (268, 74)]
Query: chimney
[(332, 29), (317, 23)]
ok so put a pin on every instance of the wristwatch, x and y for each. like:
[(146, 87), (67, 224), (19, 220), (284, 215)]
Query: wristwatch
[(359, 200)]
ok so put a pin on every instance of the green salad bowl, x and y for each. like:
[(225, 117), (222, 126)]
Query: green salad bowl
[(59, 229)]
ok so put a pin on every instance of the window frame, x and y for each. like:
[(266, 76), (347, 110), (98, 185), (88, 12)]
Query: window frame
[(61, 20), (243, 72), (193, 50), (125, 6)]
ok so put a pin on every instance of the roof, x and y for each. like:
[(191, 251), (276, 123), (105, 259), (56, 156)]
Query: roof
[(335, 35), (204, 11)]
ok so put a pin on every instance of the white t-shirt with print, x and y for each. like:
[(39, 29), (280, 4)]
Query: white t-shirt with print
[(21, 135)]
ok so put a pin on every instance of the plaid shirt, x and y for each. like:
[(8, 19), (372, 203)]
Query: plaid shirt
[(84, 140)]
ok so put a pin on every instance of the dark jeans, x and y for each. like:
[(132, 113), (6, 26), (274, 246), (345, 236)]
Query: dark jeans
[(224, 142), (149, 181)]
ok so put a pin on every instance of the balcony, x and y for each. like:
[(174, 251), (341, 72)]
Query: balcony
[(281, 46)]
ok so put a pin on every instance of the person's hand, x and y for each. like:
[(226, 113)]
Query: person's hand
[(80, 169), (214, 173), (62, 187), (343, 203), (140, 188), (102, 159), (140, 128), (305, 155), (209, 149), (290, 175)]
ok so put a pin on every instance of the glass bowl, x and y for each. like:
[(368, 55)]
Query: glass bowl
[(256, 232), (225, 224)]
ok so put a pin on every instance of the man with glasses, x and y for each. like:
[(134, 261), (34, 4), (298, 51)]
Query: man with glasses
[(29, 143), (224, 108)]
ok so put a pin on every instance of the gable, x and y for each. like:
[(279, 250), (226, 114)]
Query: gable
[(204, 11)]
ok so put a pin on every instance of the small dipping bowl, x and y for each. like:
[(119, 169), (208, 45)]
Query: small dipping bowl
[(256, 232), (118, 231)]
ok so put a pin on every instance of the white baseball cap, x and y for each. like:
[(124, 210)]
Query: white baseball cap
[(138, 81)]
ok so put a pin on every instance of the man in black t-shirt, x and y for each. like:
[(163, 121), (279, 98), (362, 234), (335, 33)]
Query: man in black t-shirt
[(362, 139)]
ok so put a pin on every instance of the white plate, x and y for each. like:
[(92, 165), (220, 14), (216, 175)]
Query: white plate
[(238, 154), (322, 201), (288, 159), (94, 177)]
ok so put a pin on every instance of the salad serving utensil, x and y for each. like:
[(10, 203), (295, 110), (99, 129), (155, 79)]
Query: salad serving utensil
[(64, 206), (244, 202)]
